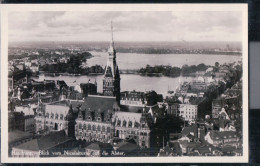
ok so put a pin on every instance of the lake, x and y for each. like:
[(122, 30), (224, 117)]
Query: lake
[(128, 82), (131, 82), (137, 61)]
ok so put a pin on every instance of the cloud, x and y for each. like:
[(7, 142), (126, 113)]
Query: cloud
[(128, 26)]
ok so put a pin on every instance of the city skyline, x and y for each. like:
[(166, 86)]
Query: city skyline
[(143, 26)]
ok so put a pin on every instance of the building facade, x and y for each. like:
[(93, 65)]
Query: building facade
[(134, 125), (95, 118), (188, 111), (53, 117)]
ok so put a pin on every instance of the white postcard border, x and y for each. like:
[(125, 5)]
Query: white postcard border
[(5, 8)]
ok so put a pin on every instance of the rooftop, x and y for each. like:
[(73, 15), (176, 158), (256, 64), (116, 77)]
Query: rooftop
[(45, 142)]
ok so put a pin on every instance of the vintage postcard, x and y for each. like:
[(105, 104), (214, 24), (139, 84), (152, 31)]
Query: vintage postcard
[(124, 83)]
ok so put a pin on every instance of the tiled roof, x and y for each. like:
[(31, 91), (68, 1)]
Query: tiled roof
[(25, 109), (59, 109), (99, 146), (127, 146), (45, 142), (95, 103), (215, 135), (18, 135)]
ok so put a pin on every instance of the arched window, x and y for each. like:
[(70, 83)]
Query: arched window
[(124, 123), (56, 116), (130, 124), (47, 115), (89, 127), (118, 122), (98, 128), (103, 129), (52, 115), (94, 127), (80, 126), (84, 126), (108, 129), (61, 116)]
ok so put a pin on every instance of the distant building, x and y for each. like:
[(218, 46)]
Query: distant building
[(88, 89), (20, 121), (133, 98), (224, 138), (188, 111), (217, 105), (140, 99)]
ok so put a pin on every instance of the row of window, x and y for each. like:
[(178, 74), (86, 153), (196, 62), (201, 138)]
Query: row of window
[(51, 116), (130, 124), (94, 127)]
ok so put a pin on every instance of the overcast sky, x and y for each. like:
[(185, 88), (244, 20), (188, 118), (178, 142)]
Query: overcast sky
[(128, 26)]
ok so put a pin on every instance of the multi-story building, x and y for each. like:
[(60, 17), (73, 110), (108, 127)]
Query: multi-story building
[(223, 138), (217, 105), (133, 98), (134, 125), (53, 117), (188, 111), (95, 118)]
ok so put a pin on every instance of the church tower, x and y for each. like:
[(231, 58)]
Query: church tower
[(111, 82)]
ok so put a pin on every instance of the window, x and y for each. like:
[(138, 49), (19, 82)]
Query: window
[(61, 116), (103, 129), (89, 127), (124, 123), (94, 127), (129, 124), (52, 115), (56, 116), (84, 126), (80, 126), (108, 129), (118, 123), (47, 115), (98, 128)]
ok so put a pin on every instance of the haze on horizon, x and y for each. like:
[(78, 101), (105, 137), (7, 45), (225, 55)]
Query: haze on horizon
[(128, 26)]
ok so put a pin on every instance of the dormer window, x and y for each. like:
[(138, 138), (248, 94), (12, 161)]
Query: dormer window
[(136, 125), (89, 118), (52, 115), (129, 124), (118, 122), (124, 123), (61, 116), (80, 126)]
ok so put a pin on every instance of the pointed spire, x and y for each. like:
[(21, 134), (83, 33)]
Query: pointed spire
[(112, 37)]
